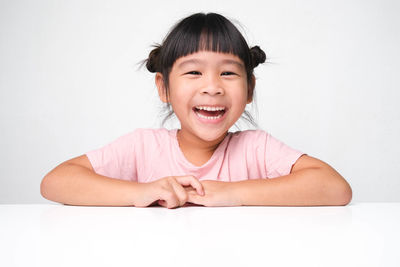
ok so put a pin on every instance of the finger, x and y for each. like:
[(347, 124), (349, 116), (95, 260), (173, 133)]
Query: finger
[(162, 202), (190, 189), (180, 192), (168, 197), (192, 181), (165, 204)]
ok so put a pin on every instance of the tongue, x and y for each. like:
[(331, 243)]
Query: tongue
[(210, 113)]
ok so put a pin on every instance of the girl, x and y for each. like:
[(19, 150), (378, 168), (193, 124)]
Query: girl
[(204, 71)]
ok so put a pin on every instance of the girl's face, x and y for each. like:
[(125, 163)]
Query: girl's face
[(200, 85)]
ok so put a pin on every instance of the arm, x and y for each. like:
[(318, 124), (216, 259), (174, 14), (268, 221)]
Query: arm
[(74, 182), (310, 183)]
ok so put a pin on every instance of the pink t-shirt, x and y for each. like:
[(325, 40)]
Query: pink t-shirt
[(146, 155)]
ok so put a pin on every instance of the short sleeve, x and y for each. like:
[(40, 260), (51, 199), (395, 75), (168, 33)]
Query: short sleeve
[(116, 159), (279, 157)]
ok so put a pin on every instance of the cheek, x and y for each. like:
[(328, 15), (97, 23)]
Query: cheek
[(242, 93), (239, 103), (179, 98)]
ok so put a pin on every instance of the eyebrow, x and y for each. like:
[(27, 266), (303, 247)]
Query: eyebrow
[(223, 62)]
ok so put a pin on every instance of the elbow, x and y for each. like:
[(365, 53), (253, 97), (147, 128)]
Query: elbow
[(343, 194), (337, 190), (51, 185), (44, 187), (347, 195), (48, 187)]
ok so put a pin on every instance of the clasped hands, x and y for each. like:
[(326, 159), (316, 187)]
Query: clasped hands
[(176, 191)]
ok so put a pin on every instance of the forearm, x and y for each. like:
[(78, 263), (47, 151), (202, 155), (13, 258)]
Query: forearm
[(76, 185), (308, 187)]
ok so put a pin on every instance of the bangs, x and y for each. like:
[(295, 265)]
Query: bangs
[(204, 32)]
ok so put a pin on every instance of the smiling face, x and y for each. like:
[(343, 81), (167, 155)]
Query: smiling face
[(208, 92)]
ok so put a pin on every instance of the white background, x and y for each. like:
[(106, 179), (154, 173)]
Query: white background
[(69, 82)]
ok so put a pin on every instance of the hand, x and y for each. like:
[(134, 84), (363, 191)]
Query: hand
[(168, 192), (217, 193)]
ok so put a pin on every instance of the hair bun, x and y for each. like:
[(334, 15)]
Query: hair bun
[(257, 56), (152, 62)]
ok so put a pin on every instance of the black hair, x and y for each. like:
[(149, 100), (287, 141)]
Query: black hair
[(209, 32)]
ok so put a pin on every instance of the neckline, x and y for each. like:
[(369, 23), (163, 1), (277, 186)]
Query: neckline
[(187, 162)]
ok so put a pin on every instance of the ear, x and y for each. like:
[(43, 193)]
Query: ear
[(159, 79), (250, 89)]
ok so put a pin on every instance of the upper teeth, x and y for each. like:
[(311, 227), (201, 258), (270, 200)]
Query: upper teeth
[(210, 108)]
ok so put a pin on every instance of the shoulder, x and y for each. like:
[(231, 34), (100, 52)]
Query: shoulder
[(152, 136), (144, 134), (257, 139), (248, 139), (250, 136)]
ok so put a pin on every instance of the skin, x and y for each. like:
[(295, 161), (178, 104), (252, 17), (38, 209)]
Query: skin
[(205, 78), (217, 78), (200, 78)]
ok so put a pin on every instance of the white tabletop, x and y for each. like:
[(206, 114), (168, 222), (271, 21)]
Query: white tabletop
[(360, 234)]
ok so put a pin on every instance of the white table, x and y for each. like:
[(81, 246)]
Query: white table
[(361, 234)]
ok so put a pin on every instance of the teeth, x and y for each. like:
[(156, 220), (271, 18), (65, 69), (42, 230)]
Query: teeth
[(210, 108), (207, 117)]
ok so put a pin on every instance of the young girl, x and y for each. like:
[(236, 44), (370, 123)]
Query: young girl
[(204, 70)]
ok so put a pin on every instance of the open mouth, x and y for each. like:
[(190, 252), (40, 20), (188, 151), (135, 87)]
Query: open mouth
[(210, 113)]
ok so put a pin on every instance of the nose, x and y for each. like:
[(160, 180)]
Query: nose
[(213, 86)]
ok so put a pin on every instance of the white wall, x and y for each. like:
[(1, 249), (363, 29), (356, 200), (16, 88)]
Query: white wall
[(69, 82)]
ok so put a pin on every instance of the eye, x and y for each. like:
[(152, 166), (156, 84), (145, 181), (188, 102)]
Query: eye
[(225, 73), (193, 72)]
